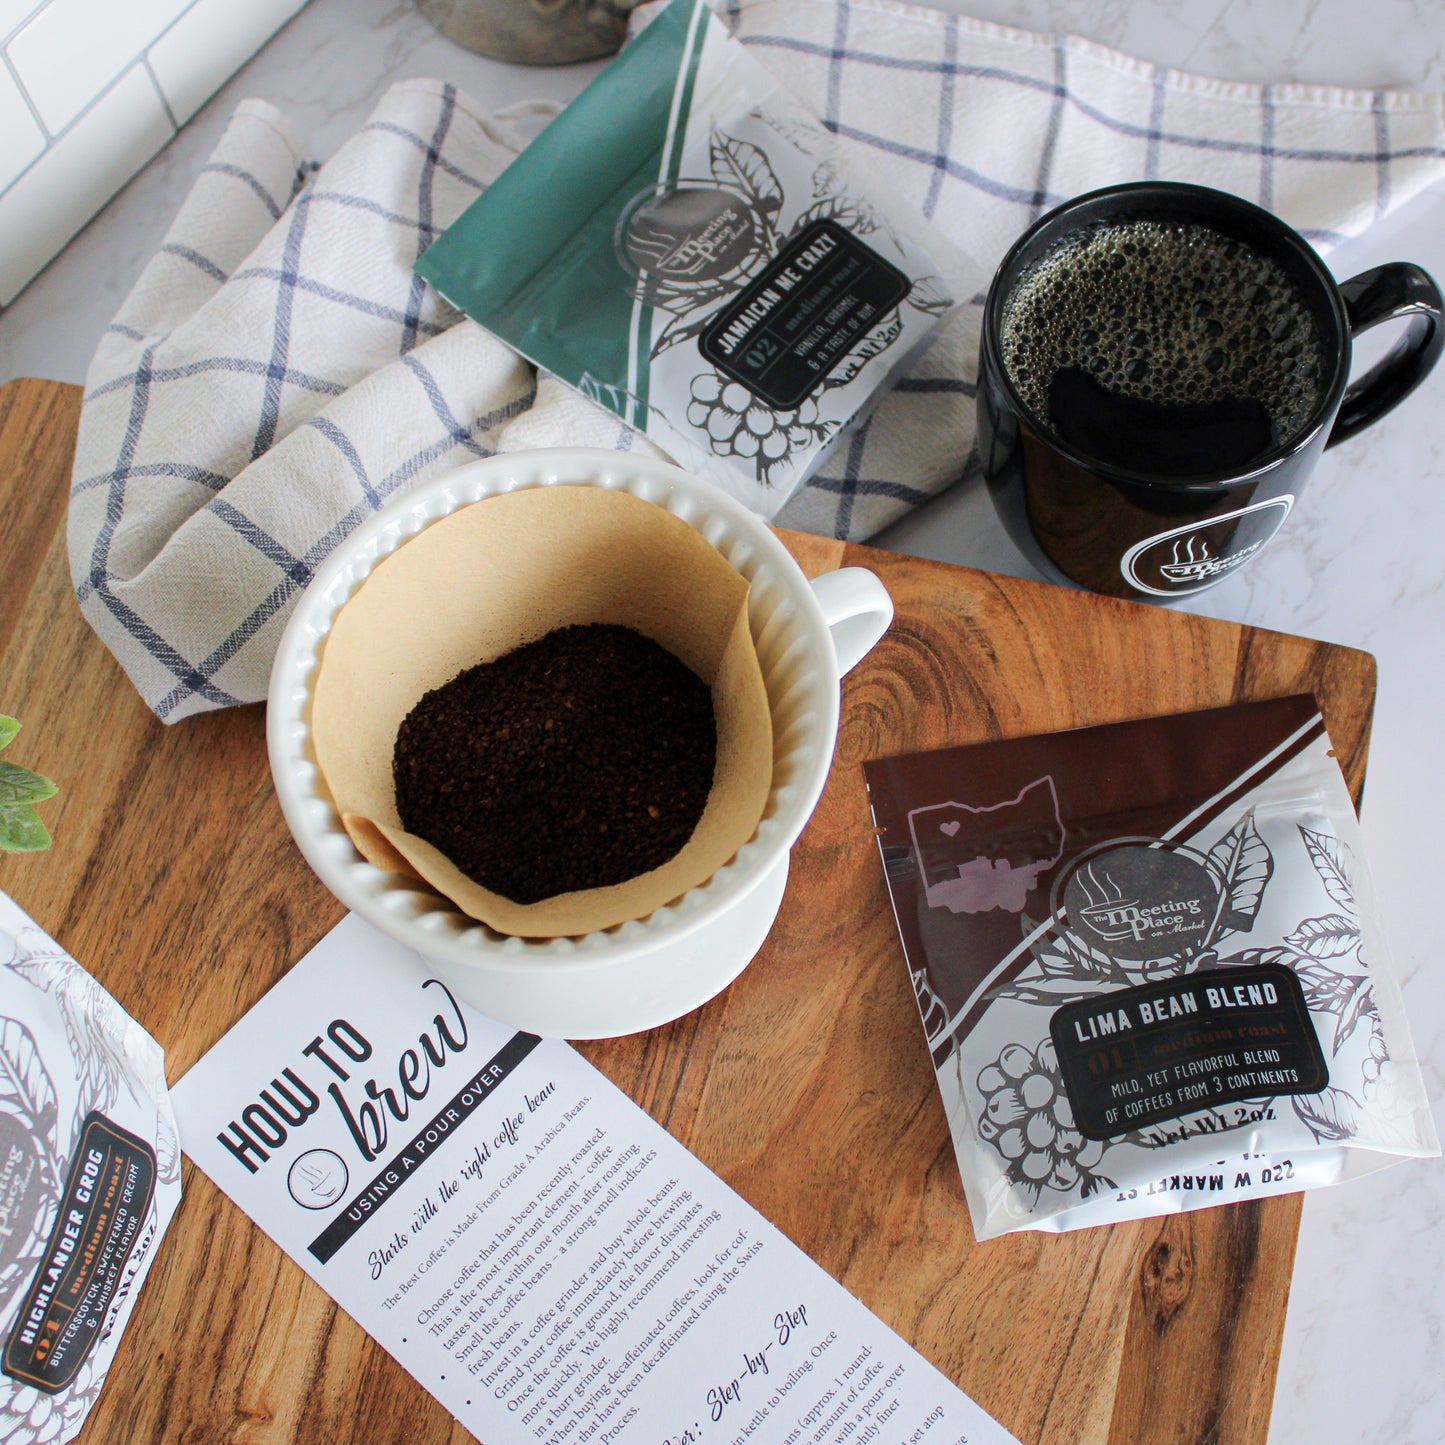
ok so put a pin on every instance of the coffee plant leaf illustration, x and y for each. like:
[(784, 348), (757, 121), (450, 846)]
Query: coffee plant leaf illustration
[(1253, 957), (1242, 864), (96, 1028), (739, 165), (27, 1094), (1051, 991), (1064, 968), (802, 134), (1328, 937), (825, 179), (28, 1124), (927, 295), (1332, 864), (853, 213), (682, 326), (1347, 997), (1329, 1116)]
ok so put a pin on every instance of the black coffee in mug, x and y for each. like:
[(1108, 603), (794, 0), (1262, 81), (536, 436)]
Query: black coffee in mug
[(1160, 367), (1168, 349)]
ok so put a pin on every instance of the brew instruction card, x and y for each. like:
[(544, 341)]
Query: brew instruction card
[(538, 1252)]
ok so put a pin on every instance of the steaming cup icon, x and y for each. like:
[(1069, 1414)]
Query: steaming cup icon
[(1186, 566), (1139, 899), (317, 1178), (1199, 554)]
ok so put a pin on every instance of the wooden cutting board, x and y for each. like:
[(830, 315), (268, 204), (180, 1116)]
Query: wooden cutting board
[(807, 1085)]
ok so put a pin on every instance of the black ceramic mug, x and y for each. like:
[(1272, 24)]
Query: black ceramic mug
[(1160, 367)]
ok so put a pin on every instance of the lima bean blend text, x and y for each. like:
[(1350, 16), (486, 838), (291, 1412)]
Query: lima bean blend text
[(1163, 347)]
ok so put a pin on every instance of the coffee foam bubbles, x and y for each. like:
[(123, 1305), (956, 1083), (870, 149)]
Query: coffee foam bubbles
[(1174, 314)]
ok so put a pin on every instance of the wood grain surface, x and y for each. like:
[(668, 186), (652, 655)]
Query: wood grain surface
[(806, 1085)]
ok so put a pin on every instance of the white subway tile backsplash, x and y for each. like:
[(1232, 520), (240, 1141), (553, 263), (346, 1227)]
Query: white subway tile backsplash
[(72, 49), (170, 55), (78, 175), (200, 51), (13, 12), (21, 140)]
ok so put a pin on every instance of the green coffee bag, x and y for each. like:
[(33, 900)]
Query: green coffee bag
[(688, 246)]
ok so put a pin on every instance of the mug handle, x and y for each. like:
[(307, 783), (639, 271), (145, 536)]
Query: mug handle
[(857, 608), (1387, 293)]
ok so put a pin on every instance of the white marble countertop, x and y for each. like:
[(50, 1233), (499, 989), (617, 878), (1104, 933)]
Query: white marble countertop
[(1362, 562)]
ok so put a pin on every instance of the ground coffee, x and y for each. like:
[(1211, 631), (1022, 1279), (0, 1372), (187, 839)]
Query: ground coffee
[(576, 761)]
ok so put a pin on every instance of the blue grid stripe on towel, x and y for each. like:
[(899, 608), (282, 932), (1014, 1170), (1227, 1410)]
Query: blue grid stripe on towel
[(280, 372)]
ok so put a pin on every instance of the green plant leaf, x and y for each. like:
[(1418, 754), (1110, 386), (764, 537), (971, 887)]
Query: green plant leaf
[(9, 726), (20, 785), (21, 830)]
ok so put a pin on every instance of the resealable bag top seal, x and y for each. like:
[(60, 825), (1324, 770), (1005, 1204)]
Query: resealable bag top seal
[(1149, 966), (687, 245), (90, 1175)]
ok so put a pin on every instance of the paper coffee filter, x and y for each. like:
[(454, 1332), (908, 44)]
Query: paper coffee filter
[(505, 571)]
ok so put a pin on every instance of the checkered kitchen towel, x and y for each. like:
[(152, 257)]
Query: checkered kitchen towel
[(279, 371)]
